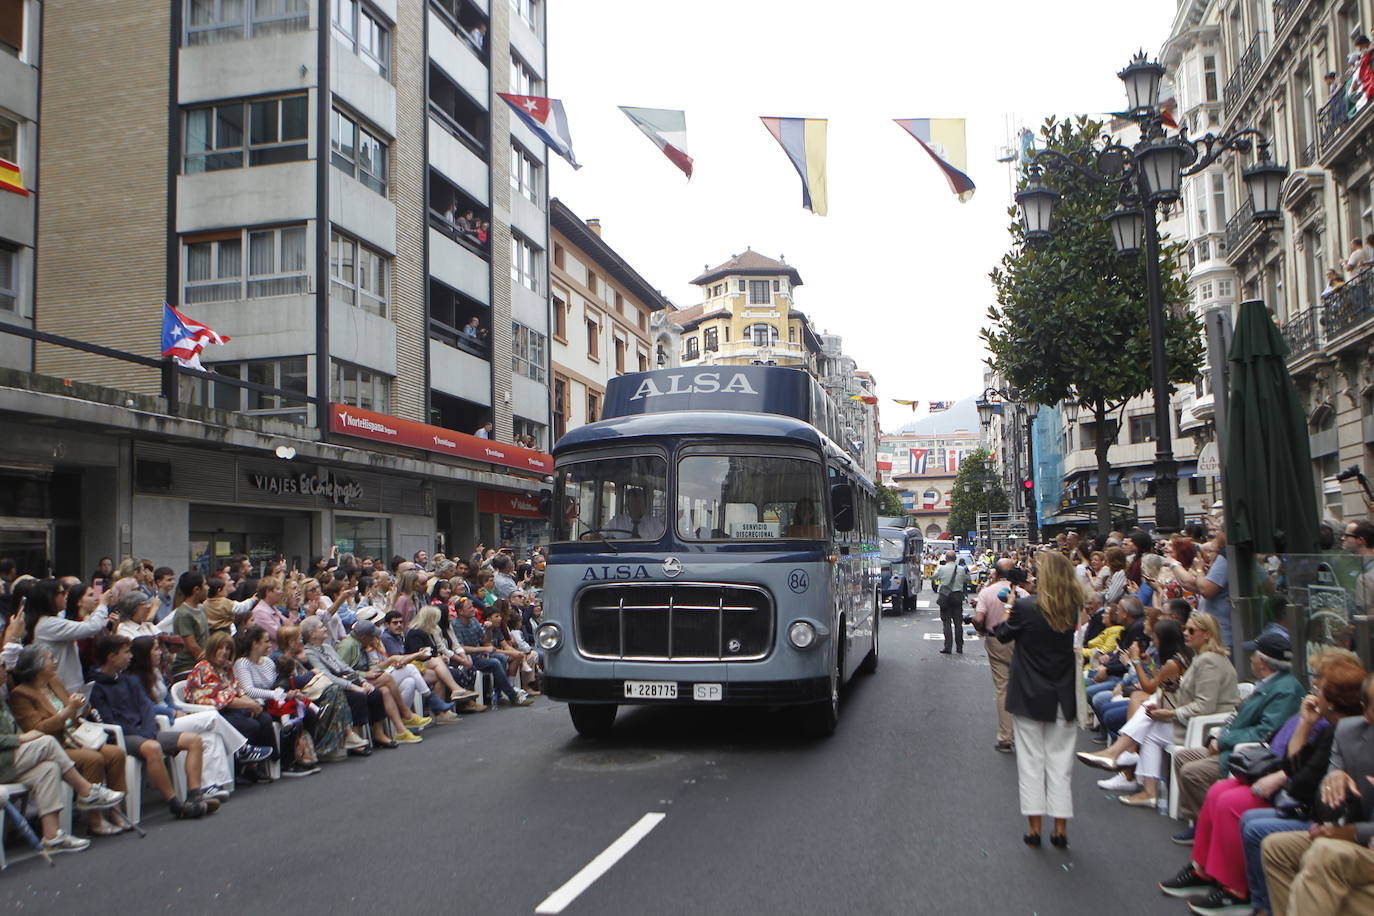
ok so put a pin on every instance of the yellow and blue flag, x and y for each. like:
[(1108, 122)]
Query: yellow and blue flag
[(944, 139), (803, 139)]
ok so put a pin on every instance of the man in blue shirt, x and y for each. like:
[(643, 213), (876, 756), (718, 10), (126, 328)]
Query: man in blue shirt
[(476, 642)]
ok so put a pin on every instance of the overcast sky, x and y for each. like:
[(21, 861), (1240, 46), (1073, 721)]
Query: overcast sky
[(899, 267)]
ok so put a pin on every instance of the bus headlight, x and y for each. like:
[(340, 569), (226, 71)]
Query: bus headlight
[(549, 637), (801, 634)]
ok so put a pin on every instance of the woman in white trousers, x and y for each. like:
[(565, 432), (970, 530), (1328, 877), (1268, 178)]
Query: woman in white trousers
[(1042, 694)]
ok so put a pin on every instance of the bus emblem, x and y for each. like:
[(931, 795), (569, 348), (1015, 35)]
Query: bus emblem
[(733, 645), (672, 567)]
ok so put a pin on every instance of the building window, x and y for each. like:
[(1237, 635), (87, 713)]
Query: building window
[(593, 339), (288, 374), (593, 406), (791, 333), (741, 284), (524, 174), (642, 319), (9, 278), (1224, 288), (619, 304), (9, 139), (527, 10), (1219, 199), (560, 407), (357, 152), (1209, 77), (12, 28), (360, 387), (250, 264), (1143, 429), (212, 22), (758, 292), (692, 352), (763, 335), (711, 339), (522, 78), (592, 284), (365, 31), (643, 361), (777, 286), (357, 274), (727, 333), (265, 131), (527, 352), (524, 263), (620, 356), (560, 318), (528, 434), (558, 256)]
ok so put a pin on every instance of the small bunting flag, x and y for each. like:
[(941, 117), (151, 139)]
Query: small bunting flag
[(943, 139), (803, 139), (668, 130)]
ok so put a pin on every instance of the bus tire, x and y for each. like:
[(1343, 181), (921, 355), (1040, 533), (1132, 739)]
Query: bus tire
[(820, 719), (592, 720), (910, 604), (870, 663)]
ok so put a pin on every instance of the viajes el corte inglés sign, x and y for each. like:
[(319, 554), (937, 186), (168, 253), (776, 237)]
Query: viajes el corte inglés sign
[(348, 420)]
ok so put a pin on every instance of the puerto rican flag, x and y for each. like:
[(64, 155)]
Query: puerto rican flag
[(183, 338), (547, 119)]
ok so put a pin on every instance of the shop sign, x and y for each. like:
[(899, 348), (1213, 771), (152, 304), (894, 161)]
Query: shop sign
[(1208, 465), (338, 491), (366, 424), (515, 505)]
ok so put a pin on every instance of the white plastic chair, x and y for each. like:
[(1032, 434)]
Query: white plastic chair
[(179, 701), (10, 792)]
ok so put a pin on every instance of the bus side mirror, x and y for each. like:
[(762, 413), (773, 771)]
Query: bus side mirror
[(842, 506), (546, 503)]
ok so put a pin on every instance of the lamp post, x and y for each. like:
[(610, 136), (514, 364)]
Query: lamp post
[(1149, 176), (990, 402)]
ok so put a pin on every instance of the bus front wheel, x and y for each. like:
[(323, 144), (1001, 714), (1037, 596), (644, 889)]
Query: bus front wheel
[(820, 719), (592, 720)]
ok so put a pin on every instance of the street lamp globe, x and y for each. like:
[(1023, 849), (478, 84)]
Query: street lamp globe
[(985, 408), (1128, 227), (1264, 183), (1142, 78), (1036, 202), (1161, 162), (1032, 409)]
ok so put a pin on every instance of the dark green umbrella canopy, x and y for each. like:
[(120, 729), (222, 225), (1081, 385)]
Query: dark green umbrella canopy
[(1271, 505)]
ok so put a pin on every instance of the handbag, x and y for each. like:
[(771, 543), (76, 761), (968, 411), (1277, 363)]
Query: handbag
[(1251, 763), (316, 686), (86, 735)]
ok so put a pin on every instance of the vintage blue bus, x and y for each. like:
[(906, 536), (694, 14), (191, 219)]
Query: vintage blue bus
[(713, 543)]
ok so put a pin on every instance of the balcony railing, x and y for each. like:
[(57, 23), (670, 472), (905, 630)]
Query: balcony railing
[(1247, 67), (1350, 305), (1283, 12), (1333, 120), (1303, 333), (1240, 225)]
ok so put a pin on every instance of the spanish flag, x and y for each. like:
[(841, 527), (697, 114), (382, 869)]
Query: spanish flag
[(11, 179), (943, 139), (803, 139)]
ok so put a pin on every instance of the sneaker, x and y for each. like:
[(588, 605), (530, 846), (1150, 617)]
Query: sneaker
[(186, 810), (1127, 759), (522, 699), (1186, 837), (1006, 747), (1120, 783), (418, 723), (64, 842), (300, 769), (252, 753), (408, 737), (100, 797), (1187, 883), (1221, 901), (217, 792)]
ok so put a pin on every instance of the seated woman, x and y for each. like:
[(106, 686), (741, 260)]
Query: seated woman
[(212, 683), (1208, 685), (450, 664), (41, 703), (532, 668), (265, 615), (370, 705), (334, 737), (135, 613), (1170, 659), (256, 675), (495, 622), (407, 671), (220, 742)]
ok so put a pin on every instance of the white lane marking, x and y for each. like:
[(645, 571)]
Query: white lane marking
[(968, 637), (559, 899)]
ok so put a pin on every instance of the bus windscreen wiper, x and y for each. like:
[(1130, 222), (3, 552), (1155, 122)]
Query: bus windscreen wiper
[(598, 533)]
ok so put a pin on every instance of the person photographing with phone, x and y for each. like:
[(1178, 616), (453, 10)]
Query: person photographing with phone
[(998, 595)]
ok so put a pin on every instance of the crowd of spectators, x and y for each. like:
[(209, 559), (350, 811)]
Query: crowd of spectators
[(1278, 798), (246, 675)]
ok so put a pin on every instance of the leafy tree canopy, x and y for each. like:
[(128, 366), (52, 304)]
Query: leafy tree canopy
[(889, 503), (976, 487)]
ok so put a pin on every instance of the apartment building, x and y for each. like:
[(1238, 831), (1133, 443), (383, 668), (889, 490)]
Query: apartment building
[(602, 310), (924, 459), (19, 61), (1271, 62), (336, 186)]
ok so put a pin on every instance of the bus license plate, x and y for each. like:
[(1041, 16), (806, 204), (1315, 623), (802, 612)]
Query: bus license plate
[(651, 690)]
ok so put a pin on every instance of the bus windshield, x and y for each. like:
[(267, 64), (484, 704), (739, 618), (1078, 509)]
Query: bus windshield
[(892, 548), (620, 498), (750, 497)]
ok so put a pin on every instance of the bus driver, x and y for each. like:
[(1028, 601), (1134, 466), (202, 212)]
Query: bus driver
[(632, 521)]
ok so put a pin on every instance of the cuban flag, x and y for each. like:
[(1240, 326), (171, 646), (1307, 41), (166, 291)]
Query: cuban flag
[(183, 338), (547, 119), (919, 456), (668, 129), (943, 139)]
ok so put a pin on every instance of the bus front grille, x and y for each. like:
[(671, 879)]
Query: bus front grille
[(678, 622)]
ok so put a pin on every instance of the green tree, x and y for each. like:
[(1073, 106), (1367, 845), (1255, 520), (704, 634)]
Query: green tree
[(889, 503), (1071, 322), (977, 488)]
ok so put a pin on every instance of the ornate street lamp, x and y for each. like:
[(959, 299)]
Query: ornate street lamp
[(1150, 175)]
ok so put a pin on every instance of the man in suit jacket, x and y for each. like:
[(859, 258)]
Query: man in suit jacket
[(1277, 696), (1321, 870)]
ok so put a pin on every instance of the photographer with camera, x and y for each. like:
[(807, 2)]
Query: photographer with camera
[(1004, 588)]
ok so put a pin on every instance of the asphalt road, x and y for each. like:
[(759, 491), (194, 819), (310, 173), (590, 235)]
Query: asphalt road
[(907, 809)]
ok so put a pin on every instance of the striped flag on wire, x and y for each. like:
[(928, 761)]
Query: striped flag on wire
[(184, 338)]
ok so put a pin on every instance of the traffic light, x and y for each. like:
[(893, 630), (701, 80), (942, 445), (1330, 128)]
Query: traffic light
[(1028, 484)]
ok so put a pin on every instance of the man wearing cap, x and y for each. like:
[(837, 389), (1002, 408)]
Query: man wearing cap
[(1277, 696)]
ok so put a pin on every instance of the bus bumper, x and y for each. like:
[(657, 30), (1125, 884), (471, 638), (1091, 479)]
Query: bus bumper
[(740, 693)]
